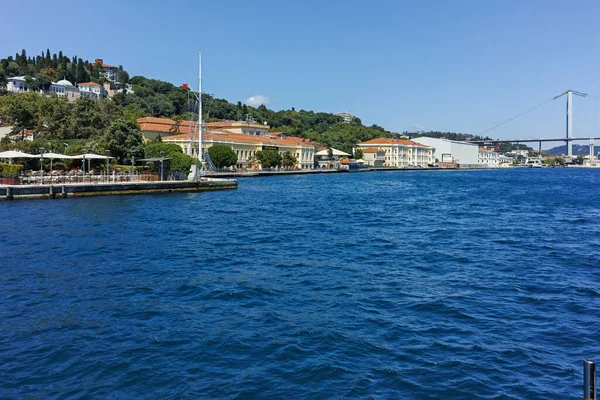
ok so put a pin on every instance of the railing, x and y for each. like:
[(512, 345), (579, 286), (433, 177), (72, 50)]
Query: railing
[(37, 179)]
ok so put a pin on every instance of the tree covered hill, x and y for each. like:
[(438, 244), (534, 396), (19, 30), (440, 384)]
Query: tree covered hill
[(152, 97), (578, 150), (48, 68)]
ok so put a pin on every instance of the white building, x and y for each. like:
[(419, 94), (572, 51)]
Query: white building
[(64, 88), (346, 117), (91, 90), (17, 84), (400, 152), (109, 72), (465, 154), (373, 156), (488, 157), (504, 160)]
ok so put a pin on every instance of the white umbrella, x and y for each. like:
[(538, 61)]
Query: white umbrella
[(16, 154), (91, 156), (52, 156), (334, 152)]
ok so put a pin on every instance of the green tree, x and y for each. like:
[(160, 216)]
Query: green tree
[(12, 69), (358, 153), (87, 119), (3, 82), (43, 82), (222, 156), (32, 84), (123, 138), (122, 75), (50, 73), (580, 160), (53, 118), (155, 149), (288, 159), (179, 162), (269, 158), (21, 110)]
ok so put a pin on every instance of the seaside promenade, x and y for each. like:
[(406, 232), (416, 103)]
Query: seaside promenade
[(65, 190)]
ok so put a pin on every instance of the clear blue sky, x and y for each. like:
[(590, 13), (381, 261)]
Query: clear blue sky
[(459, 66)]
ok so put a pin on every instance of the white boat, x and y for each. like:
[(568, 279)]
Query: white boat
[(535, 163)]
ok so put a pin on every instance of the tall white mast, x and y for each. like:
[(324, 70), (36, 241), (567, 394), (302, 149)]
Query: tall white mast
[(200, 155)]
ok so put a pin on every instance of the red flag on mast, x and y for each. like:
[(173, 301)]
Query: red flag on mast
[(185, 86)]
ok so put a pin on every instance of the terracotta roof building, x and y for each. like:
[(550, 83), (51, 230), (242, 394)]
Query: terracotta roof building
[(109, 71), (232, 134), (399, 152)]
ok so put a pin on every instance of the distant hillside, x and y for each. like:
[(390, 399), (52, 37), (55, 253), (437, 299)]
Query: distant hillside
[(47, 67), (578, 150), (461, 137), (152, 97)]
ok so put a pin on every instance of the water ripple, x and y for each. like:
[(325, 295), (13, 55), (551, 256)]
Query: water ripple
[(456, 284)]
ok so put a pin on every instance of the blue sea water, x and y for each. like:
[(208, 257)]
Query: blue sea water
[(403, 285)]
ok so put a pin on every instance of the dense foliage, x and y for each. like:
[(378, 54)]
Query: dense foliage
[(46, 68), (222, 156), (178, 161), (10, 170), (54, 118), (84, 126), (288, 159), (269, 158), (578, 150)]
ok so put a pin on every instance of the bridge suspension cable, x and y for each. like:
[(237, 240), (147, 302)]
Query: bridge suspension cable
[(517, 116)]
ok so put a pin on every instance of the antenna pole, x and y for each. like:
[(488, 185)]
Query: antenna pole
[(200, 155)]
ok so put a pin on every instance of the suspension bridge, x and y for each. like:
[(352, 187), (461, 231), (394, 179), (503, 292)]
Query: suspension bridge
[(568, 139)]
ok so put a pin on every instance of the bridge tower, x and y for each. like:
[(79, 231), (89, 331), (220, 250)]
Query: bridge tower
[(570, 94)]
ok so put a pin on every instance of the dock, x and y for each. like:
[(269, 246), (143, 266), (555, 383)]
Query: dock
[(66, 190)]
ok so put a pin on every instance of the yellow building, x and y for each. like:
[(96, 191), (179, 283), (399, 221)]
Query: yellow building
[(244, 139), (400, 152)]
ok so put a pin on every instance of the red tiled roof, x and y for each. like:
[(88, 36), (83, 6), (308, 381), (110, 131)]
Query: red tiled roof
[(89, 84), (230, 124), (165, 125), (108, 66), (371, 150), (223, 136)]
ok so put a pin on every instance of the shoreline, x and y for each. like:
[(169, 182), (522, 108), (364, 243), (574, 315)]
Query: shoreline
[(69, 190)]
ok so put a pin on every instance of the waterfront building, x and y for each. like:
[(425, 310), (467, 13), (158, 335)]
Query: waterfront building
[(243, 138), (239, 127), (373, 156), (504, 160), (330, 158), (464, 154), (488, 156), (401, 152)]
